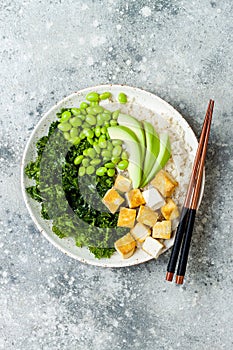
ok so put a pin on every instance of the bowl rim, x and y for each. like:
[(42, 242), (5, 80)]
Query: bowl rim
[(27, 147)]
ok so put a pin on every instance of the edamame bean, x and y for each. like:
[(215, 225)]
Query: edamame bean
[(93, 104), (124, 155), (105, 95), (66, 135), (90, 141), (110, 146), (106, 124), (83, 112), (113, 122), (85, 162), (98, 131), (117, 151), (81, 171), (82, 135), (122, 98), (103, 144), (85, 125), (91, 153), (107, 154), (91, 119), (88, 133), (115, 160), (85, 152), (115, 115), (95, 161), (76, 121), (97, 148), (103, 130), (65, 116), (106, 116), (123, 164), (92, 96), (111, 172), (109, 165), (64, 126), (84, 105), (75, 111), (116, 142), (75, 140), (78, 160), (73, 132), (95, 110), (101, 171), (90, 170), (100, 119), (102, 138)]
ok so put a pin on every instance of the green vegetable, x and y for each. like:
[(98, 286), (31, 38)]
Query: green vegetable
[(109, 165), (92, 97), (91, 119), (105, 95), (64, 126), (81, 171), (83, 105), (76, 121), (117, 151), (73, 132), (65, 116), (75, 111), (78, 160), (123, 164), (101, 171), (111, 172), (115, 115), (122, 98), (90, 170)]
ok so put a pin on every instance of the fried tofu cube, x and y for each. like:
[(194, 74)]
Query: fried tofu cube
[(126, 217), (147, 216), (162, 229), (112, 200), (153, 198), (135, 198), (170, 210), (140, 232), (152, 247), (122, 184), (125, 246), (165, 183)]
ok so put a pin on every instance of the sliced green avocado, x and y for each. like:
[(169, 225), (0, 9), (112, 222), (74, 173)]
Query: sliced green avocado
[(152, 149), (136, 126), (163, 157), (133, 147)]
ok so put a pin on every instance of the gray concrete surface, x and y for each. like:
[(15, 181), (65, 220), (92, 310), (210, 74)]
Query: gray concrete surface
[(180, 50)]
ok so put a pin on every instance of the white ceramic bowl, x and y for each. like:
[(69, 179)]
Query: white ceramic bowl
[(140, 103)]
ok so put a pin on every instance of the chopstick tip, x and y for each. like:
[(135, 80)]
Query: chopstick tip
[(169, 276), (179, 279)]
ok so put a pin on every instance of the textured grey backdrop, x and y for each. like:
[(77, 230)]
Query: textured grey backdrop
[(181, 50)]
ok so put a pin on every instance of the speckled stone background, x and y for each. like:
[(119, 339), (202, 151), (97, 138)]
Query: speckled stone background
[(180, 50)]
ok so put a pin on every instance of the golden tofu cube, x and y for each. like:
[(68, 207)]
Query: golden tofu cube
[(147, 216), (126, 217), (122, 183), (135, 198), (162, 229), (125, 246), (140, 232), (170, 210), (164, 183), (112, 200)]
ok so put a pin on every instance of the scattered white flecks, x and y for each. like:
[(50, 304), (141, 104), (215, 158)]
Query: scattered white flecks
[(90, 61), (81, 40), (118, 26), (71, 281), (110, 49), (1, 244), (144, 59), (114, 77), (128, 62), (118, 69), (84, 7), (4, 274), (49, 25), (95, 24), (145, 11), (98, 40), (104, 64), (219, 10)]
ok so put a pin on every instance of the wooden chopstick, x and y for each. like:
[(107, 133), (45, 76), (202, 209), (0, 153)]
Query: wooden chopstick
[(188, 212)]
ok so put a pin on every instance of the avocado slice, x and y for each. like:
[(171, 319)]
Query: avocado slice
[(134, 125), (163, 157), (133, 147), (152, 149)]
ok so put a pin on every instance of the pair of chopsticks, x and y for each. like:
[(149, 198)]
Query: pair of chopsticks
[(188, 213)]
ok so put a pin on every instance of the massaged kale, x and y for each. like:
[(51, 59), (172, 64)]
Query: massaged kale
[(73, 203)]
